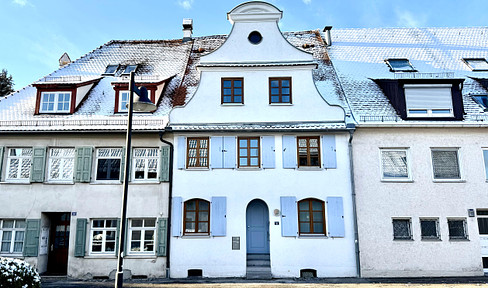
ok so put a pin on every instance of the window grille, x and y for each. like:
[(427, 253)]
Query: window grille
[(401, 229), (429, 229), (445, 164), (457, 229)]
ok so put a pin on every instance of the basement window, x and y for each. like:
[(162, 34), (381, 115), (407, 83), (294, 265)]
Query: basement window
[(400, 65), (129, 68), (476, 64), (111, 69)]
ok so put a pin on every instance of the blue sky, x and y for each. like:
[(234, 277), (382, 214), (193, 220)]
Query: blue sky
[(36, 33)]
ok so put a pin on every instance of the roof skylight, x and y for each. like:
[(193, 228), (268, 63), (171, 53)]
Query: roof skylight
[(400, 65), (111, 69), (482, 100), (476, 64), (130, 68)]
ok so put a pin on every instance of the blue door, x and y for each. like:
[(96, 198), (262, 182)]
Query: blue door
[(257, 221)]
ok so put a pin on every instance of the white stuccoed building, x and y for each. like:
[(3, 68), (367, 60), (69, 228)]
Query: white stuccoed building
[(262, 173)]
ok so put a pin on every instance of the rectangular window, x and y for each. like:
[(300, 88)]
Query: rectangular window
[(232, 90), (197, 217), (145, 164), (142, 234), (108, 163), (123, 100), (129, 68), (61, 164), (400, 65), (428, 100), (19, 162), (445, 163), (197, 152), (248, 151), (12, 236), (482, 221), (485, 262), (476, 64), (280, 90), (55, 102), (457, 229), (429, 228), (394, 164), (308, 151), (103, 236), (311, 217), (111, 69), (402, 229)]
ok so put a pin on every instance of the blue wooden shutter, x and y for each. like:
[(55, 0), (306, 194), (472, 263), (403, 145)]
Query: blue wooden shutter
[(335, 215), (181, 152), (80, 237), (1, 161), (485, 157), (31, 240), (164, 164), (289, 216), (329, 151), (38, 164), (229, 152), (289, 151), (176, 216), (83, 164), (162, 232), (268, 148), (218, 211), (122, 166), (216, 147)]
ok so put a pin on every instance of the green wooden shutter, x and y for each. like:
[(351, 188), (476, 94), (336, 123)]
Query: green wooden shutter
[(162, 236), (117, 236), (164, 162), (31, 240), (80, 237), (38, 164), (1, 161), (83, 164)]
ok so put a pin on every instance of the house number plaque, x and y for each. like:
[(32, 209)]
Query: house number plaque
[(236, 243)]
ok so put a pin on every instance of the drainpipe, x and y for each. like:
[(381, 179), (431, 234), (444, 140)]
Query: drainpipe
[(170, 196), (354, 211)]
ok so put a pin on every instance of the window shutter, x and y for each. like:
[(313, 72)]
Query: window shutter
[(83, 164), (218, 210), (1, 161), (268, 147), (176, 216), (289, 151), (31, 241), (329, 151), (122, 166), (289, 216), (162, 232), (117, 233), (181, 152), (38, 164), (216, 147), (485, 157), (164, 164), (117, 236), (229, 152), (422, 97), (335, 214), (80, 237)]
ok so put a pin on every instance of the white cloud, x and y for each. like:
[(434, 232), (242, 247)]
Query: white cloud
[(20, 2), (307, 1), (186, 4), (408, 19)]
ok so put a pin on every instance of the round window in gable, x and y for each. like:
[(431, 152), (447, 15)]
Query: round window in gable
[(255, 37)]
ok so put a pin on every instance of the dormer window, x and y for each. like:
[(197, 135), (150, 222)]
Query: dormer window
[(400, 65), (55, 102), (123, 100), (482, 100), (111, 69), (129, 68), (428, 100), (476, 64)]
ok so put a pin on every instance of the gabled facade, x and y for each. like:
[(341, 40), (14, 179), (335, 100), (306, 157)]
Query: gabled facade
[(261, 171)]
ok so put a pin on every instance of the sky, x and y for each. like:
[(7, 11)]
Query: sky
[(35, 33)]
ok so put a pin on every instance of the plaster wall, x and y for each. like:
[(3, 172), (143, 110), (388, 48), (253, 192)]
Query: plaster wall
[(378, 201), (331, 257)]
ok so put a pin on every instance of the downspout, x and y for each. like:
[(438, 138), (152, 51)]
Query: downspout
[(170, 196), (354, 211)]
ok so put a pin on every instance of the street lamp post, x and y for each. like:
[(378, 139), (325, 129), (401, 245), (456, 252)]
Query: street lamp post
[(141, 104)]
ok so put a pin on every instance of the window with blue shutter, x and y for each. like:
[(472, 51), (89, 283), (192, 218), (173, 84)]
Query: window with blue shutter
[(335, 215), (218, 211), (485, 157), (289, 152), (181, 163), (80, 237), (268, 147), (289, 217), (216, 148), (329, 151), (38, 164), (176, 216), (161, 237), (31, 242), (1, 161), (83, 164), (164, 163)]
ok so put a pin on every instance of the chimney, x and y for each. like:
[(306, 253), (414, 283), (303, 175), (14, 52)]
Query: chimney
[(187, 29), (328, 38), (64, 60)]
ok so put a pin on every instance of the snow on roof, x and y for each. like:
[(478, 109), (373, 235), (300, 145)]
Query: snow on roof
[(358, 56)]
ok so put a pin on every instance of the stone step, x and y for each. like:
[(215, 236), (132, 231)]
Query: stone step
[(257, 269), (264, 276), (258, 257), (264, 263), (258, 273)]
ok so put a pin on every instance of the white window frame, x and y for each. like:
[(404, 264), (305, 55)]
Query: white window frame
[(436, 220), (465, 226), (410, 231), (63, 160), (108, 157), (122, 104), (14, 231), (143, 229), (19, 167), (458, 154), (146, 160), (56, 101), (428, 112), (398, 179), (104, 231)]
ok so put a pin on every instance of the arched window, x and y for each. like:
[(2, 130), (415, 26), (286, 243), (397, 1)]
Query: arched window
[(197, 217), (311, 217)]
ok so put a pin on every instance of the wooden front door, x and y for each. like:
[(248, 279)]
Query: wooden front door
[(257, 221), (57, 262)]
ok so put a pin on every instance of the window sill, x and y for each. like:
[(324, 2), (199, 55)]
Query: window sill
[(280, 104), (249, 168), (15, 182), (397, 180), (140, 256), (106, 182), (100, 256), (197, 169), (432, 239), (139, 182), (205, 236), (449, 180), (403, 240), (312, 236), (309, 168), (15, 255), (59, 183), (459, 240), (232, 104)]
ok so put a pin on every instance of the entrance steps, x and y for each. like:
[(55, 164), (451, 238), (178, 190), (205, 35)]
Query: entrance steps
[(258, 266)]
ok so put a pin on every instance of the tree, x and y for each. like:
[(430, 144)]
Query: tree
[(6, 83)]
